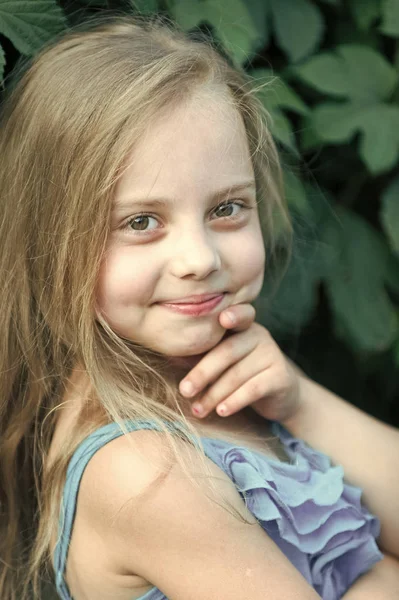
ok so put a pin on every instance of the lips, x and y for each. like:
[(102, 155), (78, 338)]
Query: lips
[(197, 299), (194, 309)]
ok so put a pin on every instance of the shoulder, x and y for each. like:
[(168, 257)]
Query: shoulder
[(176, 534), (136, 466)]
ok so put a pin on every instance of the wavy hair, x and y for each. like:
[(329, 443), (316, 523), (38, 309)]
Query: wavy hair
[(69, 121)]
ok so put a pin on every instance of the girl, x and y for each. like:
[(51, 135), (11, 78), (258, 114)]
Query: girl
[(139, 179)]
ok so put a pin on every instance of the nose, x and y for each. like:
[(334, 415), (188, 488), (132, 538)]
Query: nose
[(195, 255)]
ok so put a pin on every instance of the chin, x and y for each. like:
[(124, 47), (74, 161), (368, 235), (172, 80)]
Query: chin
[(185, 348)]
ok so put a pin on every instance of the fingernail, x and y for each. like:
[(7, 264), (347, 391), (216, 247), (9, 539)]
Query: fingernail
[(222, 410), (197, 409), (187, 388), (230, 316)]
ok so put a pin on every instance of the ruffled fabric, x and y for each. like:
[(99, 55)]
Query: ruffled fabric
[(304, 505), (316, 519)]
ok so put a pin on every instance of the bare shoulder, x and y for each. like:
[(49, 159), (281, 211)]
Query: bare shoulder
[(132, 467), (123, 469), (177, 534)]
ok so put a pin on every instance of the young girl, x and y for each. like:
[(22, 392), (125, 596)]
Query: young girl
[(139, 180)]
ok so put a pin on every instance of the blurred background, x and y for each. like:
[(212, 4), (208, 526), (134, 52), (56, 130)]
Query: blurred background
[(328, 72)]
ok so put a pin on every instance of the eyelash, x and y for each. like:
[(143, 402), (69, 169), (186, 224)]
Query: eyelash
[(125, 226)]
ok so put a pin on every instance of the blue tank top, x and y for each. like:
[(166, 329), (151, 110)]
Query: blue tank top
[(314, 516)]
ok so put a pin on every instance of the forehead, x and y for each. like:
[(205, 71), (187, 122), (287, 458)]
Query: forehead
[(201, 141)]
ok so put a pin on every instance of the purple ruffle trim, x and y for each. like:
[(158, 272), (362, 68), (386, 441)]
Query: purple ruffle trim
[(316, 519)]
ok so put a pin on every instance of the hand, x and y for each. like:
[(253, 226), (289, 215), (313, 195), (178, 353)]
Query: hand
[(246, 368)]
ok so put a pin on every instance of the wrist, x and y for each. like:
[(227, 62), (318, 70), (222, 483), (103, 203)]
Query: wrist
[(296, 421)]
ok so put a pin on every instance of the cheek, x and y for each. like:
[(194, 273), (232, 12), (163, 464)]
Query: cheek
[(123, 281), (250, 258), (247, 262)]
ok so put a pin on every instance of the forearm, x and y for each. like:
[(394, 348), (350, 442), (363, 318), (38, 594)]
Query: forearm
[(367, 449), (380, 583)]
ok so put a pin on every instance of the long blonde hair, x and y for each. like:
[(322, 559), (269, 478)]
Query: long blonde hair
[(67, 126)]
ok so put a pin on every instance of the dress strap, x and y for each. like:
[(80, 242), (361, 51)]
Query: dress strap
[(79, 461)]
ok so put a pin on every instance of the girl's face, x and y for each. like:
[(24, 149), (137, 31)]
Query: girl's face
[(171, 238)]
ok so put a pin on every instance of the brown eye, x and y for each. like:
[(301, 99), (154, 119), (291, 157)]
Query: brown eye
[(224, 210), (139, 223)]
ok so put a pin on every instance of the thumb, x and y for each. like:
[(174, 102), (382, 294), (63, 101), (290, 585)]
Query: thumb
[(237, 317)]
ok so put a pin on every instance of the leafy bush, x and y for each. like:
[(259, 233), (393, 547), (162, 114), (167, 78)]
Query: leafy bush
[(328, 74)]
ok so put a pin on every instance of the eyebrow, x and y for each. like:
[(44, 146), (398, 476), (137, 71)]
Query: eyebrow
[(163, 202)]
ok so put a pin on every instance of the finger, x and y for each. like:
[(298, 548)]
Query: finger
[(216, 361), (265, 384), (231, 380), (237, 317)]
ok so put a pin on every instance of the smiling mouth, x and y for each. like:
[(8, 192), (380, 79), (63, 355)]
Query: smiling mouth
[(195, 299), (194, 309)]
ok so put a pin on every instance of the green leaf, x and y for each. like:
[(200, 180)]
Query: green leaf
[(188, 14), (353, 71), (283, 96), (309, 140), (232, 22), (144, 7), (287, 306), (378, 125), (275, 92), (390, 18), (2, 63), (395, 350), (298, 27), (335, 123), (281, 129), (365, 12), (30, 24), (389, 213), (370, 71), (260, 13), (326, 73), (276, 95), (355, 283), (295, 194), (235, 28), (295, 301), (346, 33)]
